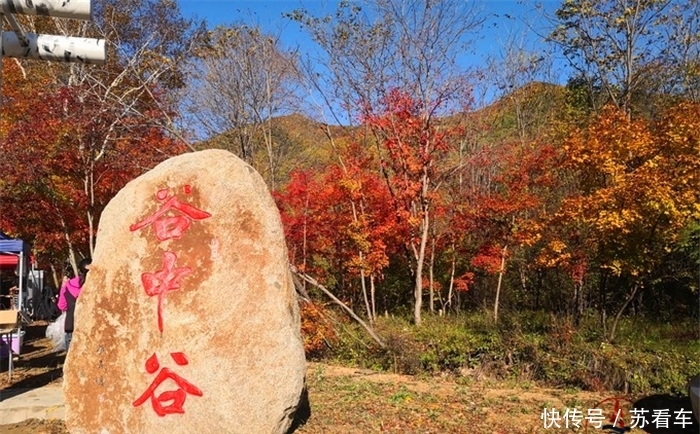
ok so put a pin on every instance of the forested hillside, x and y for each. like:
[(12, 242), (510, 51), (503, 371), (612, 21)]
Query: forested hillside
[(572, 190)]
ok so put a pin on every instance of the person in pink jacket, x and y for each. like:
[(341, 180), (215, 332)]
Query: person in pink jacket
[(70, 290)]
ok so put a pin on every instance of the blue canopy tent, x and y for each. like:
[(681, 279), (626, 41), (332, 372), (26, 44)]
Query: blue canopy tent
[(14, 254)]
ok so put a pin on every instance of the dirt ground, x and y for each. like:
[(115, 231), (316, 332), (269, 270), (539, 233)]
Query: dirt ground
[(357, 401), (37, 366)]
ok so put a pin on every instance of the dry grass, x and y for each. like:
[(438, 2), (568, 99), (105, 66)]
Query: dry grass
[(360, 401)]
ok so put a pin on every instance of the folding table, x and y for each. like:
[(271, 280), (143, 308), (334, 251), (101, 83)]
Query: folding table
[(9, 326)]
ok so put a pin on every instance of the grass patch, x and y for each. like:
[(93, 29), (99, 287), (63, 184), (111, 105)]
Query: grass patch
[(646, 358)]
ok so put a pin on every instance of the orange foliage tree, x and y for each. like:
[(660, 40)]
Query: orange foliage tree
[(340, 225), (414, 149), (56, 181), (508, 214), (638, 187)]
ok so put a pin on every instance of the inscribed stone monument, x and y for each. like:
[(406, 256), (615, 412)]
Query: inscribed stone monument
[(188, 321)]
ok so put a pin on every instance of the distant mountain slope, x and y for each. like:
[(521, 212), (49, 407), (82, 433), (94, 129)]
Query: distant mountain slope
[(300, 142), (524, 112)]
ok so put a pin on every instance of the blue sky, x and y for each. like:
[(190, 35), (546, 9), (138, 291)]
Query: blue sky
[(505, 17), (267, 14)]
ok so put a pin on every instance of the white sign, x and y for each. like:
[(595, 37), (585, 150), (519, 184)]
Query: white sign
[(73, 9), (55, 48)]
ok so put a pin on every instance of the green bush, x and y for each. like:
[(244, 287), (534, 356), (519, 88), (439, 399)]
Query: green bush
[(647, 357)]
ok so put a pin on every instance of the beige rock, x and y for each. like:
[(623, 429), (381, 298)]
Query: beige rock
[(230, 343)]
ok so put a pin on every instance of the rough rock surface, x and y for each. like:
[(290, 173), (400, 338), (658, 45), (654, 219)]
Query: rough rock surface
[(213, 257)]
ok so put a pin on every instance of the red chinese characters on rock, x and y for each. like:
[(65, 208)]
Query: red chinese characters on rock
[(164, 280), (169, 227), (177, 397)]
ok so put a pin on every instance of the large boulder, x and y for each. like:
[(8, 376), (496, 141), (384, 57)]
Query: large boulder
[(188, 320)]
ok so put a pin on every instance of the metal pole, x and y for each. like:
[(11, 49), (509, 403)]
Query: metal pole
[(20, 295), (20, 267)]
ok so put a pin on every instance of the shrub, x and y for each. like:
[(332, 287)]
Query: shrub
[(317, 329), (647, 357)]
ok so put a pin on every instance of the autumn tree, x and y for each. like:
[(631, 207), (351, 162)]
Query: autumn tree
[(330, 239), (148, 44), (610, 43), (368, 52), (509, 214), (638, 189), (45, 161), (109, 119), (239, 81), (413, 149)]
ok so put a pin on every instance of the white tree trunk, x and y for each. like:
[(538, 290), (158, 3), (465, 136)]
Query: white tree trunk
[(500, 280)]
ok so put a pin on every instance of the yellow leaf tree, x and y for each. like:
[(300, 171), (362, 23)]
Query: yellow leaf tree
[(637, 186)]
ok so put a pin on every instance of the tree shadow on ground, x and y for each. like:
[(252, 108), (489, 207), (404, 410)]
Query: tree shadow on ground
[(30, 383), (35, 332), (47, 361), (672, 406), (36, 366), (52, 365)]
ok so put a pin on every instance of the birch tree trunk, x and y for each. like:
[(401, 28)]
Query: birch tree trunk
[(431, 276), (365, 296), (374, 300), (500, 280), (420, 258), (448, 303)]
